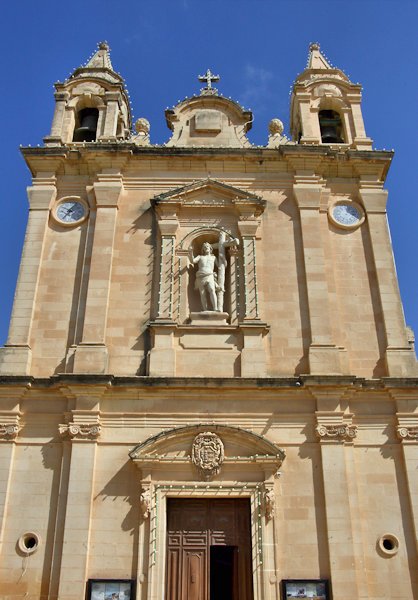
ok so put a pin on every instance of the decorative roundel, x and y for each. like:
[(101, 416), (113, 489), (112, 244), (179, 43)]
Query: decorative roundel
[(70, 211), (348, 215)]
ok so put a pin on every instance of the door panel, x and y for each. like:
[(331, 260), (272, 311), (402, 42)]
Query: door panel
[(194, 576), (195, 527)]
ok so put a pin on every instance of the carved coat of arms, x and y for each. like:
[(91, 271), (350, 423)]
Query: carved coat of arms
[(208, 453)]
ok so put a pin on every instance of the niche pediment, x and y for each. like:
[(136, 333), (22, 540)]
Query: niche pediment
[(208, 450), (209, 193)]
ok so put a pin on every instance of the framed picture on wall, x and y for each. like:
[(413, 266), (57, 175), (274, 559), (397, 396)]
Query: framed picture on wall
[(314, 589), (110, 589)]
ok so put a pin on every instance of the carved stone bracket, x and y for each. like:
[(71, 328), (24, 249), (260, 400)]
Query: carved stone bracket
[(407, 433), (208, 454), (81, 431), (145, 503), (341, 432), (9, 431), (269, 503)]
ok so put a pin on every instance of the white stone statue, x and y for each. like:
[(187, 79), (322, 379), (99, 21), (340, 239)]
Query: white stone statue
[(209, 282), (206, 277)]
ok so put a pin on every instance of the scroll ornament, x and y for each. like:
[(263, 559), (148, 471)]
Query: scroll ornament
[(342, 432), (81, 430), (407, 433), (9, 431)]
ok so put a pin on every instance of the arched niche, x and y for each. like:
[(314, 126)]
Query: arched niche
[(194, 241)]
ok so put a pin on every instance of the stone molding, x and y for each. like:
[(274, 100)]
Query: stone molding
[(340, 432)]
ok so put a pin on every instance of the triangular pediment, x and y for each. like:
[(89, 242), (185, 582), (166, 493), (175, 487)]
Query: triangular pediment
[(210, 192)]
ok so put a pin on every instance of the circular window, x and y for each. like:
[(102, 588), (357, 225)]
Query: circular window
[(29, 542), (345, 214), (388, 544), (70, 211)]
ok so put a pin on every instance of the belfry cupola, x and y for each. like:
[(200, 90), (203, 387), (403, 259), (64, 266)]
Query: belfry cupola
[(326, 106), (92, 104)]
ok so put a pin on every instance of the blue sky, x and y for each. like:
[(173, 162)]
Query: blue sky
[(257, 46)]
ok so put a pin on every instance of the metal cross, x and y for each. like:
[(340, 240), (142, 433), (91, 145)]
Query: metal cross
[(208, 77)]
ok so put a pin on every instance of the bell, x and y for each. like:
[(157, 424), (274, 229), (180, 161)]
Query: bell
[(330, 125), (88, 118), (329, 135)]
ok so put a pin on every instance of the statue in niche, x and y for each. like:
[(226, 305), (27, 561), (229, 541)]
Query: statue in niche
[(206, 278), (211, 283)]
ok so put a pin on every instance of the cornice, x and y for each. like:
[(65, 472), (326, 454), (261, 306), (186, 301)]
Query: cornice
[(84, 381)]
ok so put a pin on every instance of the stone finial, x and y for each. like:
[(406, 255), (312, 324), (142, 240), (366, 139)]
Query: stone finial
[(276, 127), (314, 46), (276, 137), (142, 126), (103, 46)]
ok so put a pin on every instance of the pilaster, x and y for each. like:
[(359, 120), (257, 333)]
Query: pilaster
[(15, 357), (56, 135), (336, 431), (323, 352), (91, 355), (168, 229), (111, 118), (9, 430), (407, 432), (400, 358), (83, 431)]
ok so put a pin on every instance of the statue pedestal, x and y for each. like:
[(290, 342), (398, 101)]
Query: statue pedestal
[(209, 318)]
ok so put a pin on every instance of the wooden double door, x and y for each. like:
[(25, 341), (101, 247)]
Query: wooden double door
[(209, 549)]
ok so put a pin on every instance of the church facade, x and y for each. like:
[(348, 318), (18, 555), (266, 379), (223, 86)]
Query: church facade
[(208, 390)]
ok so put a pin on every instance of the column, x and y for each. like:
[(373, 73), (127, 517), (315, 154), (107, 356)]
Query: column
[(83, 431), (91, 355), (323, 352), (400, 358), (15, 357)]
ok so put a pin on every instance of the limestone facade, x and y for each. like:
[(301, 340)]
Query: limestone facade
[(119, 393)]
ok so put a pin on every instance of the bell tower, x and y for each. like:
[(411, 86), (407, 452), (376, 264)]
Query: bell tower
[(91, 105), (326, 106)]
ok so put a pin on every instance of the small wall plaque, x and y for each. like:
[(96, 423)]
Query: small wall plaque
[(315, 589), (110, 589)]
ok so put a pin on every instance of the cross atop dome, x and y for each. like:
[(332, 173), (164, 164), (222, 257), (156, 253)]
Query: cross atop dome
[(208, 77)]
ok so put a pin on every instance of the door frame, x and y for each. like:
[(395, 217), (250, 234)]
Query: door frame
[(262, 534)]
